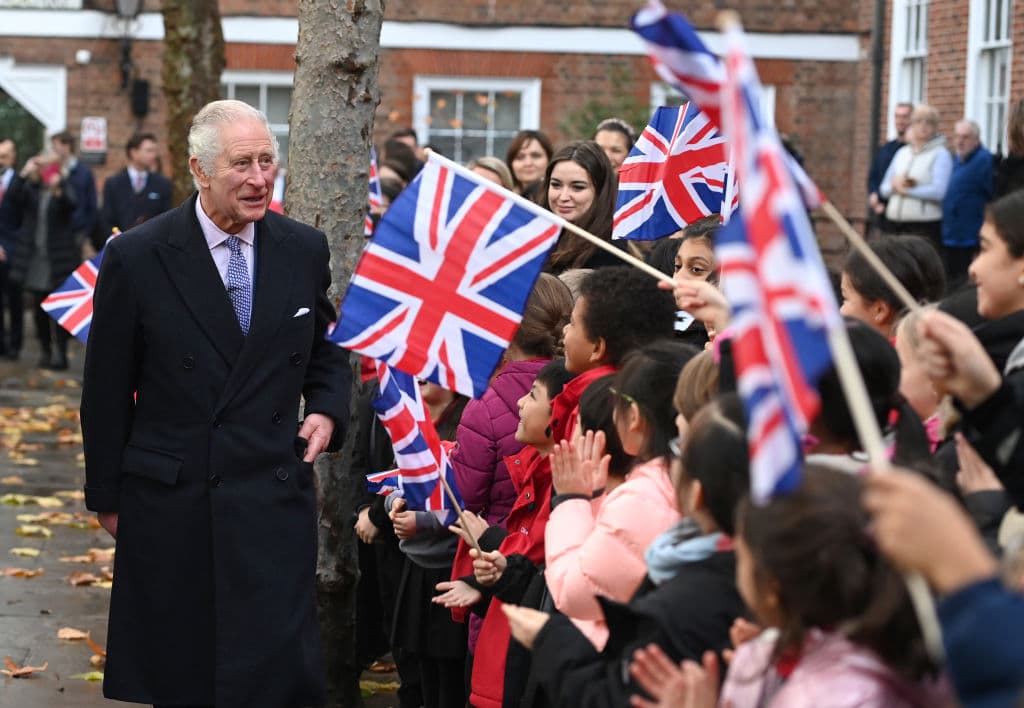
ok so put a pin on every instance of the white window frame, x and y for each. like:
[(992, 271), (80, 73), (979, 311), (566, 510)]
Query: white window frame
[(984, 47), (908, 57), (661, 91), (529, 88), (231, 78)]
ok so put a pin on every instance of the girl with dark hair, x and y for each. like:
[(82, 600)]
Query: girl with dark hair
[(866, 297), (616, 137), (845, 632), (580, 186), (597, 549), (527, 158)]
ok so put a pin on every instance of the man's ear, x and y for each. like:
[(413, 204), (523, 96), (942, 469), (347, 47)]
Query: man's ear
[(599, 351), (197, 171)]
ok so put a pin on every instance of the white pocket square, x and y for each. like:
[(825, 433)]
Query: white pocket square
[(300, 312)]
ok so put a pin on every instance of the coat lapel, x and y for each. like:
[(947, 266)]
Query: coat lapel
[(273, 285), (189, 266)]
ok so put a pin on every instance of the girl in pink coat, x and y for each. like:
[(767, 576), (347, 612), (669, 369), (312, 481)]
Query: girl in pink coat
[(600, 527)]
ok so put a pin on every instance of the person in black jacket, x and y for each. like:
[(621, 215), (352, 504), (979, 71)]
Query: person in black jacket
[(689, 600), (138, 192), (45, 253)]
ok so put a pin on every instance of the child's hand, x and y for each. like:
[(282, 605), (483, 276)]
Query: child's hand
[(688, 685), (525, 623), (456, 594), (365, 529), (403, 521), (741, 632), (955, 360), (974, 474), (580, 470), (703, 300), (489, 567), (475, 526)]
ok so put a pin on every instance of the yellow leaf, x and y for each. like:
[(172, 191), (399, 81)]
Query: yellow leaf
[(76, 494), (105, 584), (71, 634), (14, 499), (27, 462), (12, 480), (47, 502), (89, 676), (33, 530), (21, 572), (82, 578), (97, 660), (76, 559), (25, 552)]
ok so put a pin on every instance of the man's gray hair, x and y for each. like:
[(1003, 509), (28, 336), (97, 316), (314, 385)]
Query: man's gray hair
[(204, 133), (972, 126)]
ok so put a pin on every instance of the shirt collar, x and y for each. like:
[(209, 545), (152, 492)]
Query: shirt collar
[(213, 233), (133, 173)]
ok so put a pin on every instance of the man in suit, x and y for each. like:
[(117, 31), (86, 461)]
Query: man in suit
[(209, 325), (87, 213), (9, 223), (138, 192)]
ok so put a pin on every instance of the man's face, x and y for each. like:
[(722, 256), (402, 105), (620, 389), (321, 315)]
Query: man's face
[(964, 140), (901, 119), (143, 158), (7, 154), (241, 182), (61, 150)]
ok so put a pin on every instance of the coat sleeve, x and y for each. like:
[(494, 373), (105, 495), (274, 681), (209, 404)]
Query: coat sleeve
[(328, 385), (475, 457), (109, 383), (603, 555)]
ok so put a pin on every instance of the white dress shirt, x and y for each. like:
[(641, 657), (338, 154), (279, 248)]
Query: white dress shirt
[(219, 250)]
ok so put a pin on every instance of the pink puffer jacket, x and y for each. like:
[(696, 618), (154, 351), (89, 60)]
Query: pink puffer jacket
[(486, 435), (597, 548)]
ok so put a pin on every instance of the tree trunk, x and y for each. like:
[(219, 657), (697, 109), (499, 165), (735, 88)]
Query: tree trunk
[(192, 66), (331, 122)]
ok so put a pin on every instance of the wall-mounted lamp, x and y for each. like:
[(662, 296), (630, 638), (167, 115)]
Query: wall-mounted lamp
[(127, 11)]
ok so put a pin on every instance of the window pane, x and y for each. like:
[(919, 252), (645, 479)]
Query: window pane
[(249, 94), (472, 148), (443, 110), (507, 110), (279, 102), (476, 107), (500, 148), (444, 144), (282, 143)]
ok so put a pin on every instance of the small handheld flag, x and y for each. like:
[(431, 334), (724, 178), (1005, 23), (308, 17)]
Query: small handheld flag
[(71, 303), (376, 196)]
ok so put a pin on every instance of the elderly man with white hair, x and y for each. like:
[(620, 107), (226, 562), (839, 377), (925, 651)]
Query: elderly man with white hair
[(963, 207), (208, 329)]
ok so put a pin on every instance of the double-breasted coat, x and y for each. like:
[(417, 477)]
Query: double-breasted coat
[(190, 435)]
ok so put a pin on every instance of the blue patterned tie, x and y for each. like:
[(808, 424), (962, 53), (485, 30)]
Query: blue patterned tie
[(239, 284)]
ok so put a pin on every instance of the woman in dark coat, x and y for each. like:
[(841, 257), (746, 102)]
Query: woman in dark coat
[(45, 253)]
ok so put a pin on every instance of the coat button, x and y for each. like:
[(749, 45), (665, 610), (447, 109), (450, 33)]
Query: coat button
[(528, 495), (281, 473), (216, 423), (189, 362), (214, 480), (276, 418), (295, 358)]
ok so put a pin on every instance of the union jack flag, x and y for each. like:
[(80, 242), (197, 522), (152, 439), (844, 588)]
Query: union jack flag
[(674, 175), (383, 483), (419, 453), (440, 289), (71, 303), (680, 58), (376, 198), (773, 276)]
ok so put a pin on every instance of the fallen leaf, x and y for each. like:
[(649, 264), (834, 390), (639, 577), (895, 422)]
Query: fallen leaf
[(33, 530), (97, 660), (89, 676), (25, 552), (51, 518), (100, 651), (105, 584), (48, 502), (94, 555), (76, 494), (28, 500), (21, 572), (106, 573), (15, 671), (82, 578), (12, 480), (76, 559), (27, 462), (71, 634)]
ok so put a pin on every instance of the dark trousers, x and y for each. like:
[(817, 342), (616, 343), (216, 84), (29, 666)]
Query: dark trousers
[(956, 262), (443, 682), (15, 305), (49, 333)]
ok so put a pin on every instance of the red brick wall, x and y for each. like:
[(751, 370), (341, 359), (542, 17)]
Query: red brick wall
[(947, 61)]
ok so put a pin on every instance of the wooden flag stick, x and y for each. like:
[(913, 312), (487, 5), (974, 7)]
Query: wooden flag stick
[(545, 214), (871, 257), (458, 510)]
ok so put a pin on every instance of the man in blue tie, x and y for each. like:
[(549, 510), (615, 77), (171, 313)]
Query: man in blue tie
[(208, 328), (138, 192)]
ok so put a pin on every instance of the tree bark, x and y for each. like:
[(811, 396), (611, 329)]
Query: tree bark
[(331, 122), (193, 62)]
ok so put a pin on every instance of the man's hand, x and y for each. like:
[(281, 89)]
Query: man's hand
[(317, 428), (108, 520), (365, 529)]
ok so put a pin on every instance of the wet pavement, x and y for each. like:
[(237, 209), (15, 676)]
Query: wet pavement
[(41, 460)]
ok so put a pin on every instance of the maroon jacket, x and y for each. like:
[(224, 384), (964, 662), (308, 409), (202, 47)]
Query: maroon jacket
[(486, 435)]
